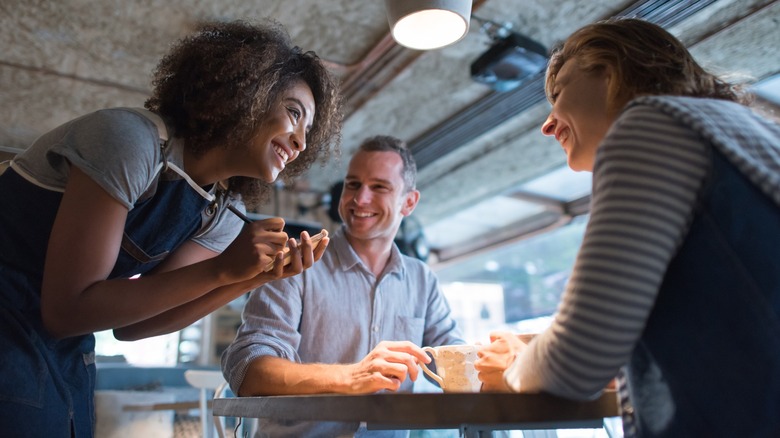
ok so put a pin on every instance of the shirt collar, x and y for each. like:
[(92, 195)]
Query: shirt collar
[(348, 258)]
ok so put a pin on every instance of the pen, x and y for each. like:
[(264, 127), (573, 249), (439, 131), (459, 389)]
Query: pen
[(239, 214)]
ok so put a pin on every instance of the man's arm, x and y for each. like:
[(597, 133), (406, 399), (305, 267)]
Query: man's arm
[(384, 368)]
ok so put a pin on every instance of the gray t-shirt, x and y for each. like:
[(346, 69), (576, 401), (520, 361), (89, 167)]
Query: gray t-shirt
[(120, 150)]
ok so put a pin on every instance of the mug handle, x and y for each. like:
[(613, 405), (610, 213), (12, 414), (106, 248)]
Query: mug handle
[(430, 373)]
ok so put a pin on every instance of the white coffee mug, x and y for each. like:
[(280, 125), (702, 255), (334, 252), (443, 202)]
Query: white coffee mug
[(455, 367)]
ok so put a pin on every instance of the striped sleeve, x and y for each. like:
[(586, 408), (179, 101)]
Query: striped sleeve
[(648, 172)]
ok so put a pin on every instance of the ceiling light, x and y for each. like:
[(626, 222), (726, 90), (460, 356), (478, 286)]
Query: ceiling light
[(428, 24)]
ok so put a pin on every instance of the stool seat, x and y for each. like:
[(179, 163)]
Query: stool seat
[(207, 381)]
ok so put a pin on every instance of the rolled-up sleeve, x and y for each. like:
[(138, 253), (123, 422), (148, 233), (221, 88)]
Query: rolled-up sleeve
[(270, 320)]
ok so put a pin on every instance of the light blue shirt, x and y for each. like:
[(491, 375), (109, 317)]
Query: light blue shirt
[(337, 311)]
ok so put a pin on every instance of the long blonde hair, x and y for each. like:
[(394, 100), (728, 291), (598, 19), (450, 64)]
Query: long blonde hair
[(644, 59)]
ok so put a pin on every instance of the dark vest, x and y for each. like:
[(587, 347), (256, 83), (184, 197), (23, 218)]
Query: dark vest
[(708, 362)]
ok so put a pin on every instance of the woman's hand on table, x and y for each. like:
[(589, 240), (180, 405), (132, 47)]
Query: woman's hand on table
[(496, 357)]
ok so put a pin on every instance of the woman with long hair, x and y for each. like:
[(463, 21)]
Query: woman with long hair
[(677, 281)]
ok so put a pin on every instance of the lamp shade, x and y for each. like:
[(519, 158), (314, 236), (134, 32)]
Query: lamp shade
[(428, 24)]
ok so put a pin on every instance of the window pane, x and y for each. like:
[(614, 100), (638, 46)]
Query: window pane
[(155, 351), (516, 287), (490, 214), (564, 184)]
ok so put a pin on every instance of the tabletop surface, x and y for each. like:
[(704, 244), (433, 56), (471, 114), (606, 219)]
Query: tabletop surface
[(423, 410)]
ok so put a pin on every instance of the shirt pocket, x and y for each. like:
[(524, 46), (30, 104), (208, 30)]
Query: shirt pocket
[(409, 328)]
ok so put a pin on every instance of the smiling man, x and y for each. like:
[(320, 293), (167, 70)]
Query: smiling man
[(354, 322)]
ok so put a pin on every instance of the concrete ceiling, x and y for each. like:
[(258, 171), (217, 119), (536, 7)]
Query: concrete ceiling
[(63, 58)]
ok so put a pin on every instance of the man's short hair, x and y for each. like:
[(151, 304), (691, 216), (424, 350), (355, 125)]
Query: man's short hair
[(386, 143)]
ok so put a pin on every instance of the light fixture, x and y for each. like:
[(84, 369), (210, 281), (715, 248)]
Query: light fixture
[(510, 61), (428, 24)]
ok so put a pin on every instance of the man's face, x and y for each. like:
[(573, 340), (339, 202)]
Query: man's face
[(374, 199)]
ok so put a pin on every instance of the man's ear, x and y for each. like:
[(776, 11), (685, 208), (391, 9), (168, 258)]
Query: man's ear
[(410, 202)]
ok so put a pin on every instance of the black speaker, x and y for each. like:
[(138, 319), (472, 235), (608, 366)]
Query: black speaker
[(509, 61)]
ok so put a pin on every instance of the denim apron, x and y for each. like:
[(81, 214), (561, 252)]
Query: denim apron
[(708, 361), (47, 385)]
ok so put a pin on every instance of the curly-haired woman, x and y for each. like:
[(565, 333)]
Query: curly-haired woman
[(119, 219)]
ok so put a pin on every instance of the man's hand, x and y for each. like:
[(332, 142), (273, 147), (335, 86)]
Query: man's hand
[(496, 357), (386, 367)]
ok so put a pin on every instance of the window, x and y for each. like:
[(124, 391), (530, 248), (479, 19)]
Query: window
[(516, 287), (155, 351)]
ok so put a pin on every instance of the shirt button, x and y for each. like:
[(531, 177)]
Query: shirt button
[(375, 329)]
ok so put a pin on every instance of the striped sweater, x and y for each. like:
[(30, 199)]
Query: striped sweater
[(647, 175)]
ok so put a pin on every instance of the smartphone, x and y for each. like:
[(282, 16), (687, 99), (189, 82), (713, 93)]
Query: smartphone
[(315, 241)]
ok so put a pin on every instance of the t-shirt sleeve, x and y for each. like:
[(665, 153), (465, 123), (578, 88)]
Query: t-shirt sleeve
[(647, 174), (117, 148), (225, 230)]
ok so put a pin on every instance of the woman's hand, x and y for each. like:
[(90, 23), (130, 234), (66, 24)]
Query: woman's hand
[(297, 258), (496, 357), (258, 244)]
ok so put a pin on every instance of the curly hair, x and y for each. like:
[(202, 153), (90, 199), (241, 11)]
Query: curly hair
[(217, 86), (645, 60)]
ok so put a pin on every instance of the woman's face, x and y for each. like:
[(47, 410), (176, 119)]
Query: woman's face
[(282, 136), (581, 115)]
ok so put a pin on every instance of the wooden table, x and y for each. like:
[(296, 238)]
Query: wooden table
[(471, 413)]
